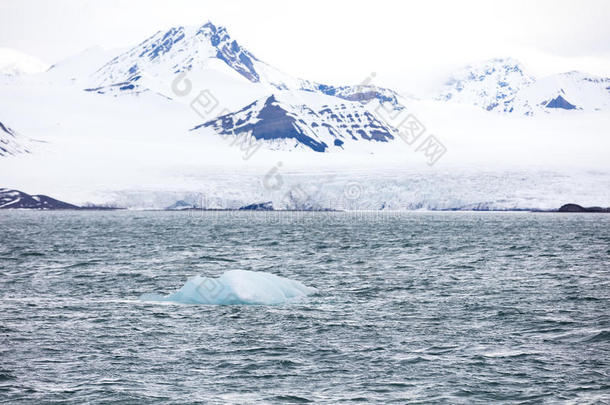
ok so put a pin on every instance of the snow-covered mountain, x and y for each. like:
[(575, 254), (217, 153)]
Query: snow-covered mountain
[(565, 91), (187, 49), (76, 69), (287, 122), (198, 50), (11, 199), (362, 92), (502, 85), (17, 63), (11, 143), (149, 146), (236, 78), (491, 85), (180, 49)]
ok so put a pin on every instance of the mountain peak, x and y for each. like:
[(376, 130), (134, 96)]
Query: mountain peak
[(185, 49), (210, 28), (500, 84), (229, 51), (286, 121), (491, 84), (508, 60), (178, 49)]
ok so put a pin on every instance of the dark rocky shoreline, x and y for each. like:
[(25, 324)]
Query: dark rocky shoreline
[(579, 208), (15, 199)]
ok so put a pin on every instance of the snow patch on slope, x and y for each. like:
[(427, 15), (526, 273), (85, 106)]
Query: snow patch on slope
[(287, 120), (566, 91), (17, 63)]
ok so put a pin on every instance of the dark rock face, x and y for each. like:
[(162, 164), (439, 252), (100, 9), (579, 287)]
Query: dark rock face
[(18, 199), (275, 120), (162, 45), (578, 208), (560, 102), (6, 129), (9, 142), (272, 122), (264, 206), (230, 52), (362, 93)]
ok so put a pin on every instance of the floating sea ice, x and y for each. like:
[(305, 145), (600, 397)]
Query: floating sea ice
[(237, 287)]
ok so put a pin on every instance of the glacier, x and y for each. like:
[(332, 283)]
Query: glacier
[(237, 287)]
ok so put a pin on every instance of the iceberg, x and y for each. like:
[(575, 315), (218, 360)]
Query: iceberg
[(237, 287)]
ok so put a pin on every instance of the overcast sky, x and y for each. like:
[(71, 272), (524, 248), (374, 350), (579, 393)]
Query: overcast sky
[(408, 44)]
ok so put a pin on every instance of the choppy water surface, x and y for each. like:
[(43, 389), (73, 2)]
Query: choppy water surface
[(419, 307)]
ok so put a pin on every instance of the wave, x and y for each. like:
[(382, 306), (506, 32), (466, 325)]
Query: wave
[(216, 259), (602, 336), (237, 287)]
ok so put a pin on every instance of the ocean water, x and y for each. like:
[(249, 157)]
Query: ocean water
[(407, 308)]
